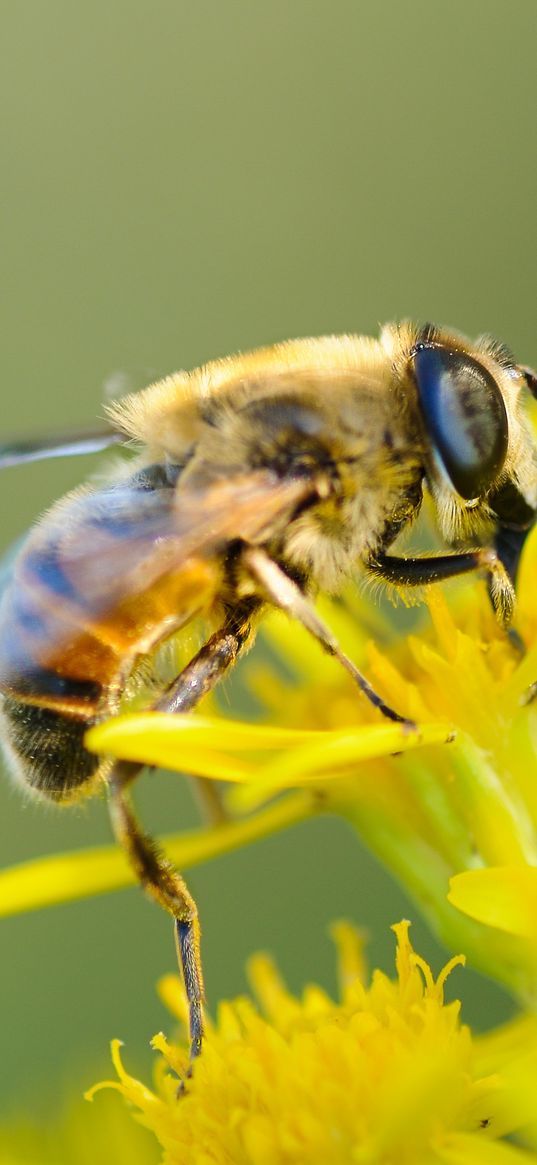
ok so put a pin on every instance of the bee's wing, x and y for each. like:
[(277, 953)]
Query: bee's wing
[(124, 540), (68, 444), (126, 565)]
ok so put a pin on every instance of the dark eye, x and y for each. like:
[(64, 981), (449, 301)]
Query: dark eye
[(464, 414)]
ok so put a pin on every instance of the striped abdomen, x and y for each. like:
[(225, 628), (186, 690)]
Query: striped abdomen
[(94, 587)]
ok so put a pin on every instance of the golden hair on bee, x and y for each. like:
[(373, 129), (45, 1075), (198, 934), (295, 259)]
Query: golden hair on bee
[(258, 480)]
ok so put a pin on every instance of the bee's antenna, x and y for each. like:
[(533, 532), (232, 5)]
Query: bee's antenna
[(58, 445)]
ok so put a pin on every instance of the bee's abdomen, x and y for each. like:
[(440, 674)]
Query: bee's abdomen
[(46, 745), (55, 671), (50, 688), (78, 611)]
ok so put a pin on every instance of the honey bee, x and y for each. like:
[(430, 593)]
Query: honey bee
[(259, 480)]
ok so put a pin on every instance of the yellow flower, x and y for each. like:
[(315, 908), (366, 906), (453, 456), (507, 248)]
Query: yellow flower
[(387, 1074), (451, 808)]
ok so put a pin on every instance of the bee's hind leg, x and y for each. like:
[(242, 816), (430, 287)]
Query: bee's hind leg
[(166, 886), (157, 875)]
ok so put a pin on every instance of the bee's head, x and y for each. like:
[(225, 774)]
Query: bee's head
[(482, 457)]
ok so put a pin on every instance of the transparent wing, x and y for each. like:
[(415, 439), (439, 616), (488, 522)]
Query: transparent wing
[(124, 563), (118, 541)]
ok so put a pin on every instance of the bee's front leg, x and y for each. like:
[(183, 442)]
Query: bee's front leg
[(426, 569)]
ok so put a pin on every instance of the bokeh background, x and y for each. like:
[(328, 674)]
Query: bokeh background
[(180, 180)]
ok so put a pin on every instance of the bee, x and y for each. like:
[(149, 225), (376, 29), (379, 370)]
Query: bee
[(258, 481)]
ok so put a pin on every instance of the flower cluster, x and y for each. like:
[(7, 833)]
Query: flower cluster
[(388, 1073)]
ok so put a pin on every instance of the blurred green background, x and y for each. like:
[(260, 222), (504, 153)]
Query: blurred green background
[(181, 180)]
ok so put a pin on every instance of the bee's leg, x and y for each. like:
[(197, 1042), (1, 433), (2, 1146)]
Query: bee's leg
[(165, 886), (285, 593), (158, 877), (199, 677), (509, 544), (219, 653), (416, 572)]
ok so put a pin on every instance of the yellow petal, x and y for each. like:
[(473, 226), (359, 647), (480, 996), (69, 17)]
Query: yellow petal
[(501, 896), (333, 754), (160, 737), (198, 745)]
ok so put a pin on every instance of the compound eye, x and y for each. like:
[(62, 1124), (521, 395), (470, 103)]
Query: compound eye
[(464, 414)]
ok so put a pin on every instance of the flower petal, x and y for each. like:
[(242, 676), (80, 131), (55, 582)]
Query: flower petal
[(333, 754), (501, 896), (165, 733)]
